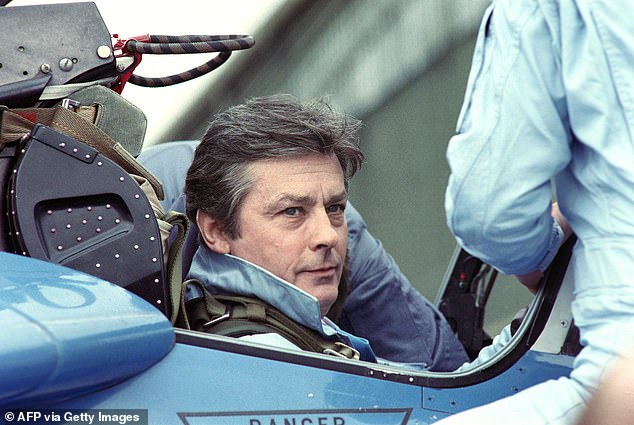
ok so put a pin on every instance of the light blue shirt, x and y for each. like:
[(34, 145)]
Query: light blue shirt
[(550, 98)]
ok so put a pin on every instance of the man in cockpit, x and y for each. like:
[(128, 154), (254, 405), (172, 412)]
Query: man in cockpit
[(381, 305), (267, 189)]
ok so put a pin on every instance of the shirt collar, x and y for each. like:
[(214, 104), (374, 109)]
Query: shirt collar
[(224, 273)]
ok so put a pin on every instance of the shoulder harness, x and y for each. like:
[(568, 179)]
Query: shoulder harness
[(237, 316)]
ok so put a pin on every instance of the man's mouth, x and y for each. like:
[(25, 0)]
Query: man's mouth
[(324, 270)]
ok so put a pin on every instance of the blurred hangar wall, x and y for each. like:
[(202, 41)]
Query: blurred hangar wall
[(401, 66)]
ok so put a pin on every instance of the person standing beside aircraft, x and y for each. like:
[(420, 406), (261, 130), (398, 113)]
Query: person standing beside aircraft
[(550, 98)]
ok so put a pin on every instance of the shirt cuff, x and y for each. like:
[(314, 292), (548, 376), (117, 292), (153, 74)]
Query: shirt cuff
[(557, 237)]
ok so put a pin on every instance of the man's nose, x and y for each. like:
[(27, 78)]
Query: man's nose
[(324, 233)]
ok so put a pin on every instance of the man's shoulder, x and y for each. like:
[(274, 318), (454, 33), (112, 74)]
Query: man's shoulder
[(165, 151)]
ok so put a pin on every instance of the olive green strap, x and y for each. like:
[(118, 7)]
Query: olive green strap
[(79, 125), (199, 311), (174, 272), (238, 316)]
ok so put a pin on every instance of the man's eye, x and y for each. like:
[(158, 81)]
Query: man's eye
[(336, 209), (291, 212)]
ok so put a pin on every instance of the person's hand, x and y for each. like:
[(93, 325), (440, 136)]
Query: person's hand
[(531, 280), (561, 220)]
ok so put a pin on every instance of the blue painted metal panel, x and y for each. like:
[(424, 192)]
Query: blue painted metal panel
[(195, 385), (66, 333), (92, 344), (220, 387), (529, 370)]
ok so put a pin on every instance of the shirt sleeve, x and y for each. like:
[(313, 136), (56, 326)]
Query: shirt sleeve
[(383, 307), (512, 139), (500, 341), (169, 162)]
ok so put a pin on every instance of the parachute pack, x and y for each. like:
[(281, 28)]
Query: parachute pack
[(71, 189), (74, 196)]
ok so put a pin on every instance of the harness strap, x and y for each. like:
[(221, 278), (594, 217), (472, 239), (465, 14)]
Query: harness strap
[(174, 262), (238, 316), (15, 123)]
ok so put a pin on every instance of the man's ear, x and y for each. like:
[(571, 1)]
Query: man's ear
[(212, 233)]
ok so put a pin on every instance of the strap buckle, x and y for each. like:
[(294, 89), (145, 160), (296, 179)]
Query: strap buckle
[(212, 322), (71, 104), (344, 351)]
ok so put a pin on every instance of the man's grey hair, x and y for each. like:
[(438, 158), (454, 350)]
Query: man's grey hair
[(263, 128)]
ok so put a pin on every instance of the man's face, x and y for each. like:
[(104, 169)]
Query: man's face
[(292, 223)]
